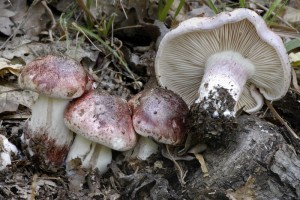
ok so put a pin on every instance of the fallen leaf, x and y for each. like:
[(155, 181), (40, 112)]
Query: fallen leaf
[(291, 15), (6, 25), (10, 98), (26, 50), (6, 67), (245, 192)]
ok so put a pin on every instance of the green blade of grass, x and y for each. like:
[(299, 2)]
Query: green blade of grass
[(292, 44), (275, 4), (212, 6), (109, 24), (87, 33), (162, 14), (160, 7), (89, 17), (242, 3), (277, 11), (181, 4)]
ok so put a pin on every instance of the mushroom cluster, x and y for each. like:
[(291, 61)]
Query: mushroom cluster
[(224, 63), (101, 121)]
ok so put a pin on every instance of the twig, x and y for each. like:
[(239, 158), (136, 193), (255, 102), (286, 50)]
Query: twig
[(295, 82), (13, 90), (128, 27), (280, 18), (202, 164), (121, 3), (294, 90), (33, 186), (196, 150), (182, 174), (281, 120), (44, 3)]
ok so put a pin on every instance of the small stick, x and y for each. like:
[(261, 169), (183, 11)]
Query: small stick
[(196, 151), (295, 82), (182, 173), (281, 120), (44, 3)]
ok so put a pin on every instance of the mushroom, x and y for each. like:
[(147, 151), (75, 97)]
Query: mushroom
[(57, 80), (7, 149), (225, 63), (158, 114), (102, 122)]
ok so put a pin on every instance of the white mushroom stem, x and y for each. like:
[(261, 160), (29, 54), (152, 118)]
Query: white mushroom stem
[(91, 154), (46, 127), (143, 150), (227, 70)]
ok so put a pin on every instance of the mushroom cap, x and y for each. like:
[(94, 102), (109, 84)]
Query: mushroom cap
[(183, 52), (102, 118), (55, 76), (160, 114)]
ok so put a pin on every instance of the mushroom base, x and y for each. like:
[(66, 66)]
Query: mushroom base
[(143, 150), (45, 135), (201, 119), (42, 148), (87, 154)]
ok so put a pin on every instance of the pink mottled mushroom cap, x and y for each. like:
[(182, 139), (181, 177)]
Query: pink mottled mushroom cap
[(55, 76), (160, 114), (102, 118)]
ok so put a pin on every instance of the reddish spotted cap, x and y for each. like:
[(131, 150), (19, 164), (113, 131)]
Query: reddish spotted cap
[(55, 76), (102, 118), (160, 114)]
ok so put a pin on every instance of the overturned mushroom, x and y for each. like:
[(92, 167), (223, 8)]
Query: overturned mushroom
[(159, 114), (224, 63), (102, 122), (57, 80)]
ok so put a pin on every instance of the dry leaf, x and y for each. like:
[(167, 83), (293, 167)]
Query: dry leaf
[(6, 26), (26, 51), (36, 20), (6, 67), (245, 192), (5, 23), (291, 14), (10, 98)]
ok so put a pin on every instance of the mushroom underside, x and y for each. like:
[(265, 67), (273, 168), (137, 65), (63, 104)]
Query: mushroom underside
[(181, 62)]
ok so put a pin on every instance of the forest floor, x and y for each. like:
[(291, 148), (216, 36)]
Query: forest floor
[(260, 161)]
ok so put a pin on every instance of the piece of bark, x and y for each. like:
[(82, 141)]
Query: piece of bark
[(256, 152)]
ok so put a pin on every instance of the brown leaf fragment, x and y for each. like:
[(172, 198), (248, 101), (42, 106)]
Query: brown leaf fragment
[(6, 67), (245, 192)]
